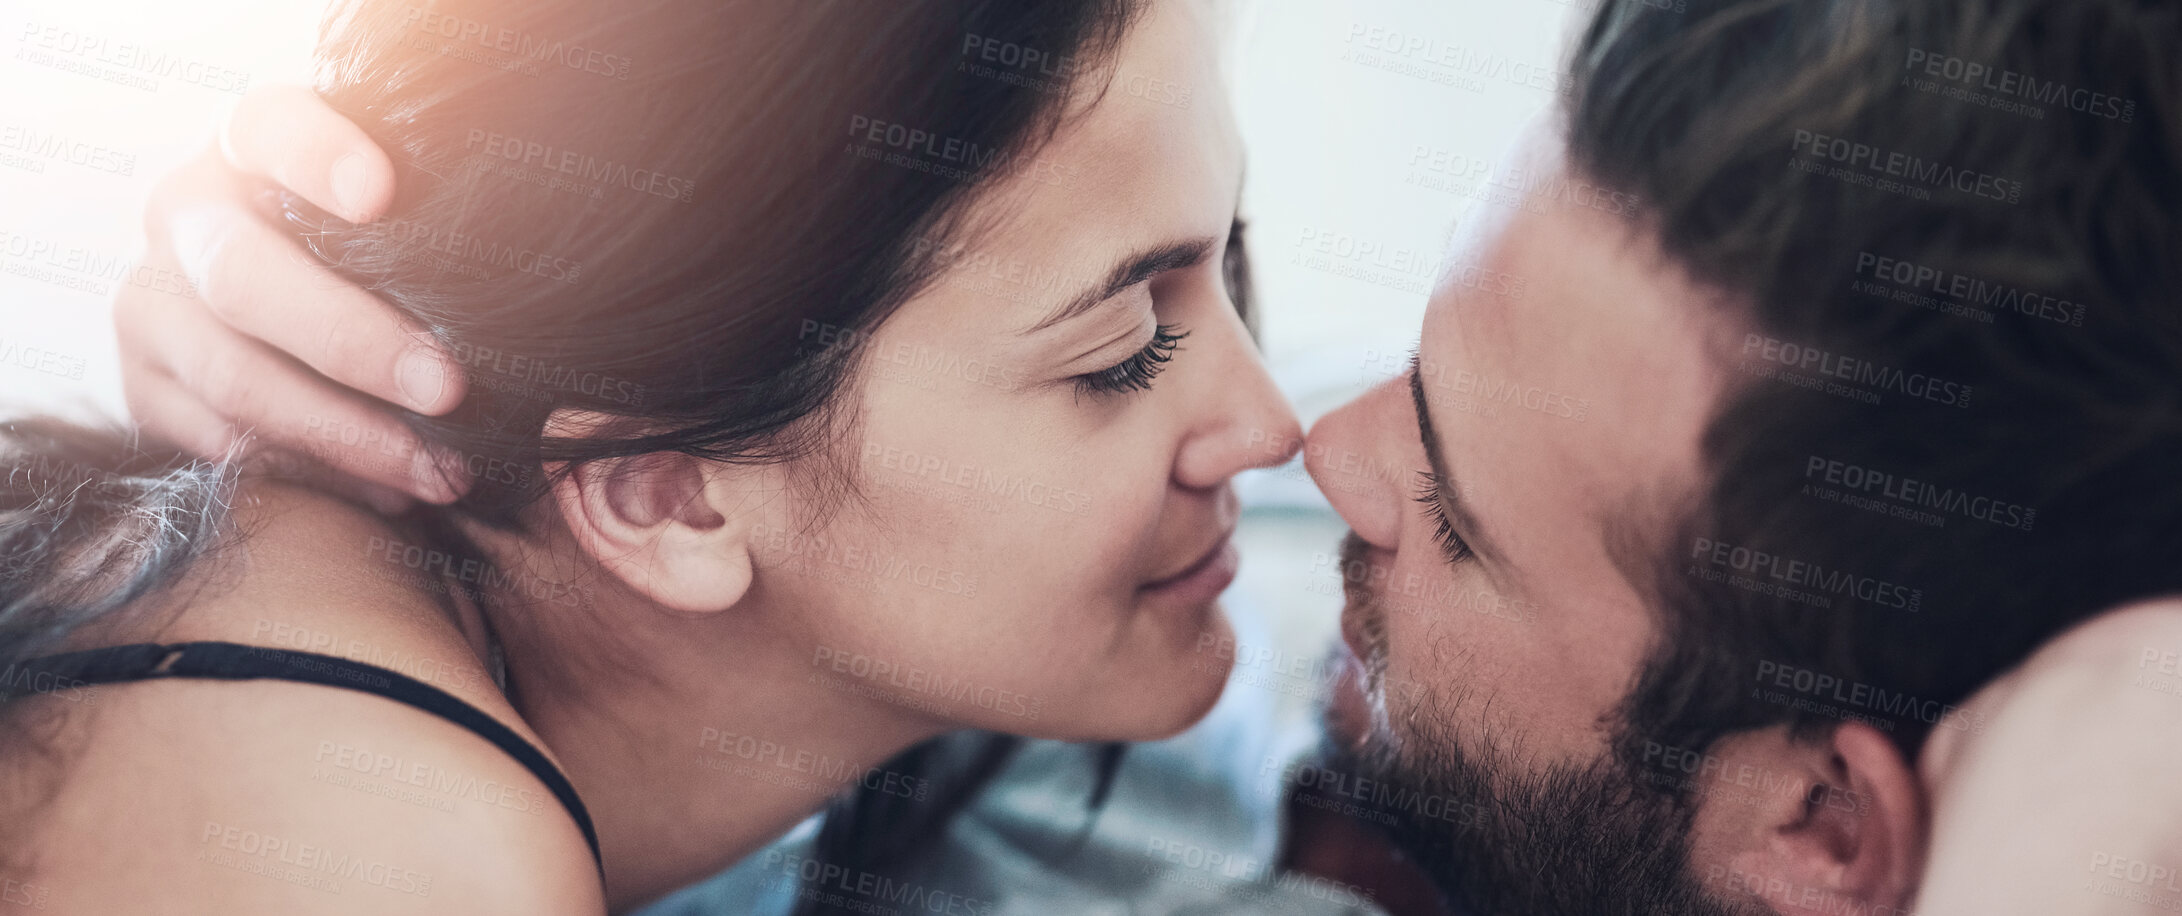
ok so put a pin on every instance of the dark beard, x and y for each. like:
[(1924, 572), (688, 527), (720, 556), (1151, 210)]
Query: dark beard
[(1571, 840)]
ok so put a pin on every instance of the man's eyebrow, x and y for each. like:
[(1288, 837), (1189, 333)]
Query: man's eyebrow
[(1444, 487), (1132, 270)]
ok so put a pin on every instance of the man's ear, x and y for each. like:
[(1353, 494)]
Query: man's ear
[(675, 529), (1803, 825)]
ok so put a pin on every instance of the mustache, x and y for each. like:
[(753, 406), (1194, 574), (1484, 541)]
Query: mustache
[(1364, 608), (1355, 571), (1353, 549)]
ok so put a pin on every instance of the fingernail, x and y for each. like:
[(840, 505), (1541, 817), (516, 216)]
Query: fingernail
[(436, 471), (422, 377), (352, 185)]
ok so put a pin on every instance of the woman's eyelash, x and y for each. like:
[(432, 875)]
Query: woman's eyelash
[(1443, 532), (1136, 372)]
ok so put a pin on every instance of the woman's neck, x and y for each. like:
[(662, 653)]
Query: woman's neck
[(694, 741)]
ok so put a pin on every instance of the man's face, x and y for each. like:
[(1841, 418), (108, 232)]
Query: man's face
[(1553, 422)]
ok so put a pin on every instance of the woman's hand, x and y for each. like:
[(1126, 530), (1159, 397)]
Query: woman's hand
[(273, 347), (2069, 798)]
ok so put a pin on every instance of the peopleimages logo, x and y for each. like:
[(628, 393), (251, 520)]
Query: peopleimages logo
[(1008, 54), (926, 364), (1862, 372), (18, 681), (1803, 574), (824, 768), (2006, 82), (927, 144), (953, 158), (992, 488), (307, 859), (439, 240), (1378, 799), (521, 44), (953, 689), (1870, 159), (41, 359), (25, 894), (1427, 57), (542, 376), (814, 553), (434, 777), (2134, 871), (1970, 289), (1861, 696), (124, 63), (1398, 268), (857, 890), (51, 146), (475, 574), (1704, 775), (47, 260), (546, 157), (1922, 494)]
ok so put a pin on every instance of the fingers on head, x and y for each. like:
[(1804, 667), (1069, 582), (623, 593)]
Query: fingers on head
[(291, 136), (256, 281)]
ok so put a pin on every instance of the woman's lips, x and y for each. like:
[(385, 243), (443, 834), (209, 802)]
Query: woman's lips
[(1203, 580)]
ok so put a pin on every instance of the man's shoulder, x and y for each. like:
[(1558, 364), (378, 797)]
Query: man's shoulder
[(2145, 634)]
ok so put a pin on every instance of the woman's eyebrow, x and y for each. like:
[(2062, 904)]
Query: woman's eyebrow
[(1128, 272)]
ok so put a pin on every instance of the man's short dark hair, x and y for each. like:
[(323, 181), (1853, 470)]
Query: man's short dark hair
[(1956, 426), (1943, 234)]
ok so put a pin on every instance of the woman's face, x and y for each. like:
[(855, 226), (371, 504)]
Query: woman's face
[(1044, 509)]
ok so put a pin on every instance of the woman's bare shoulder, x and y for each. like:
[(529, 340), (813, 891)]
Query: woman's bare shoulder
[(183, 795)]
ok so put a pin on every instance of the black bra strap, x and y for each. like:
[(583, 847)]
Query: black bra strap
[(233, 661)]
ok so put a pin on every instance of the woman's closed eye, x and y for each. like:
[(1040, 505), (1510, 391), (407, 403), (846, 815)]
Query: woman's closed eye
[(1137, 371)]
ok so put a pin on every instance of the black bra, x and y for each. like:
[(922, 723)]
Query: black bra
[(233, 661)]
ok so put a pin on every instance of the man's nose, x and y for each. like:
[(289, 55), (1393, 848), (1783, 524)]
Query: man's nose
[(1354, 454)]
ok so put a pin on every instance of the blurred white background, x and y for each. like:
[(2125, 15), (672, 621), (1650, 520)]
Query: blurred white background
[(1369, 125), (78, 91)]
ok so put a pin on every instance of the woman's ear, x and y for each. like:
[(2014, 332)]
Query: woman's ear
[(675, 529)]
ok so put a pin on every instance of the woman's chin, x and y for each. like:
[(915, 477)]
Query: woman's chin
[(1168, 691)]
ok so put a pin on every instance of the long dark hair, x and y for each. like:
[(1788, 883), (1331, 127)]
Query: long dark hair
[(700, 214), (664, 211)]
